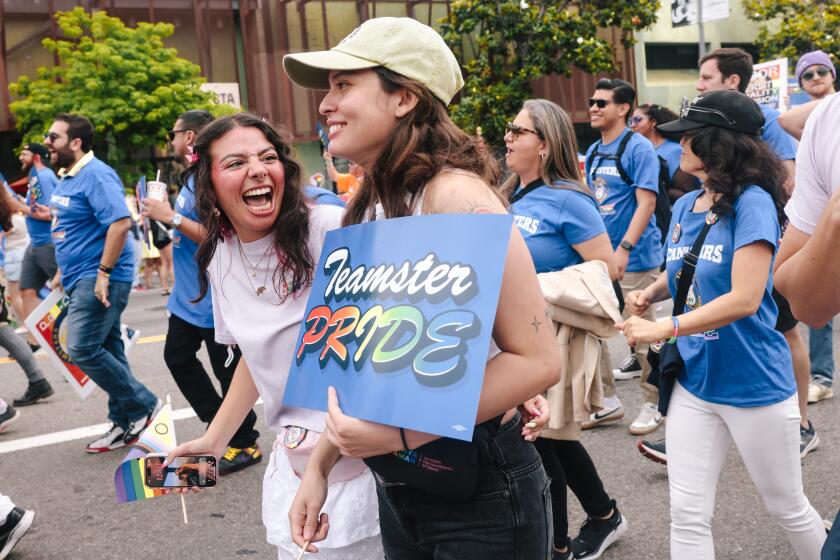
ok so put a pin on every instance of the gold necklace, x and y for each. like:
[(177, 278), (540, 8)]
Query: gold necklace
[(244, 258)]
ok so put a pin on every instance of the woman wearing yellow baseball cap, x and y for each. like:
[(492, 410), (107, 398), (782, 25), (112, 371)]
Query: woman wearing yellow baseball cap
[(389, 83)]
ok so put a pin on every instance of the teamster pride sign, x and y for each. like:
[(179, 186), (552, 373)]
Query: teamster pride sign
[(399, 321)]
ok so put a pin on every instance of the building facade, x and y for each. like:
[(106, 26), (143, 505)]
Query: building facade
[(243, 41)]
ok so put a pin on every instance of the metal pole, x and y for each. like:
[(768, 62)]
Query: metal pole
[(700, 29)]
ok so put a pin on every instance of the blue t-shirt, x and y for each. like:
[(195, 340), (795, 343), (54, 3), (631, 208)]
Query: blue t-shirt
[(552, 220), (782, 143), (670, 151), (83, 208), (186, 268), (41, 186), (746, 363), (322, 196), (617, 200)]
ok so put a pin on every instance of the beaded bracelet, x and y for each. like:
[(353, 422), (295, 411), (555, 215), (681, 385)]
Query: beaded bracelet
[(673, 339)]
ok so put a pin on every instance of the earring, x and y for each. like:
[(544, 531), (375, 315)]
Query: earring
[(542, 155)]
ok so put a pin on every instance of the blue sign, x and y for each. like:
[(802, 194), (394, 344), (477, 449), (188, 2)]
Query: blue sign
[(399, 321)]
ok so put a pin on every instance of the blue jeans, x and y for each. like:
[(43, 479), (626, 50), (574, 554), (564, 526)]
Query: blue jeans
[(831, 547), (95, 345), (509, 518), (822, 354)]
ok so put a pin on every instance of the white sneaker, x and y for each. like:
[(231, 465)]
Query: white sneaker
[(648, 420), (818, 392), (609, 415), (628, 369)]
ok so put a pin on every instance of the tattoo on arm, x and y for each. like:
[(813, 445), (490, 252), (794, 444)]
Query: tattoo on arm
[(536, 324)]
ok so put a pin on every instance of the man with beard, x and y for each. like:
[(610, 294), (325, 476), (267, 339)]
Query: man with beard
[(39, 260), (191, 323), (90, 225)]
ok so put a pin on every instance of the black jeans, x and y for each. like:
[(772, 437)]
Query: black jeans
[(183, 340), (567, 462), (508, 519)]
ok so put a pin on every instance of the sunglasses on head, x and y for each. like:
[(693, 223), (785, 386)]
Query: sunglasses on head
[(809, 75), (517, 130), (601, 103), (172, 133)]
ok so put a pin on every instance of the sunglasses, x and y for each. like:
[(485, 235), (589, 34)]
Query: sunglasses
[(809, 75), (637, 120), (52, 136), (172, 133), (601, 103), (517, 130)]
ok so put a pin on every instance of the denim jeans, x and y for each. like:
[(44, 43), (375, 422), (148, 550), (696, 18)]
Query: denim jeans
[(509, 518), (820, 344), (95, 345)]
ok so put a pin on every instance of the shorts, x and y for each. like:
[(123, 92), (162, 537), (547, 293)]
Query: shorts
[(14, 259), (785, 321), (38, 266)]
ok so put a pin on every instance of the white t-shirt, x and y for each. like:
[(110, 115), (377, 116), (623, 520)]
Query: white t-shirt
[(265, 329), (817, 166), (18, 237)]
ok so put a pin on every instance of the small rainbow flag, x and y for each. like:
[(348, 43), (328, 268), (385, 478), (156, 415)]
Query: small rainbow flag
[(159, 437)]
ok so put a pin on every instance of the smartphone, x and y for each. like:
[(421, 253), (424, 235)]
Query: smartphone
[(183, 472)]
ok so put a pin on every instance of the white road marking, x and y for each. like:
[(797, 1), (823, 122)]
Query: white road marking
[(76, 433)]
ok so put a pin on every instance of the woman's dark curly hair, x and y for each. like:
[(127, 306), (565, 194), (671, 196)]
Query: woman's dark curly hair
[(291, 229), (733, 161), (5, 213)]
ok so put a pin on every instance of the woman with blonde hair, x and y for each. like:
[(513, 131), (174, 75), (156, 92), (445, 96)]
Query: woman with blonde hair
[(558, 217)]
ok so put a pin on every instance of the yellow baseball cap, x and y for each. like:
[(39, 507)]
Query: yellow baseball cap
[(402, 45)]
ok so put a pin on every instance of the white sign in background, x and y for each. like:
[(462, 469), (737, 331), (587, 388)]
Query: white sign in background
[(227, 93), (684, 12)]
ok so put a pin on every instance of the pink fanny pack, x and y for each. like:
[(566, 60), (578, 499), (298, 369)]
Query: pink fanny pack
[(298, 444)]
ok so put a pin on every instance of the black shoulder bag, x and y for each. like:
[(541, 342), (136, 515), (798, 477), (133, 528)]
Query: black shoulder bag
[(664, 358)]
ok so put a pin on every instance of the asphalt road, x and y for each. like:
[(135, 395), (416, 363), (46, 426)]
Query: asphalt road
[(77, 517)]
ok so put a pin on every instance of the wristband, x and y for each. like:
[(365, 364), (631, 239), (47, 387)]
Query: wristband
[(673, 338), (105, 269), (404, 442)]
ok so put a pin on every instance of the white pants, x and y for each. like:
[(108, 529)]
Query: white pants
[(6, 507), (767, 437)]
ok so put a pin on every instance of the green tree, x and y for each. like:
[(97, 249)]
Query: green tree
[(506, 44), (790, 28), (123, 79)]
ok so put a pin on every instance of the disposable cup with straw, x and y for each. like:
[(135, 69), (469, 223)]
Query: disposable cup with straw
[(156, 190)]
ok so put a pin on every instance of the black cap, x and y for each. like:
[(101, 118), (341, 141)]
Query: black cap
[(723, 109), (38, 149)]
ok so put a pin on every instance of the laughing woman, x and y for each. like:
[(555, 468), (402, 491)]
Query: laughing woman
[(262, 241), (389, 84)]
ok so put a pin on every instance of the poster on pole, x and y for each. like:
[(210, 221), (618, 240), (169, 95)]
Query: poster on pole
[(47, 324), (399, 321), (769, 84), (684, 12)]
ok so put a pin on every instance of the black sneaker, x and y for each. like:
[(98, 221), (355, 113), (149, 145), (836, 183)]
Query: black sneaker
[(136, 427), (596, 535), (9, 417), (808, 439), (34, 393), (557, 555), (114, 438), (628, 369), (16, 525), (653, 450), (236, 459)]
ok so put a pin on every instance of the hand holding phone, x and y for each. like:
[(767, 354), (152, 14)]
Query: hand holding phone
[(187, 471)]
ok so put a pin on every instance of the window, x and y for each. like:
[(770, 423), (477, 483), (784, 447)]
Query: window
[(672, 56)]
